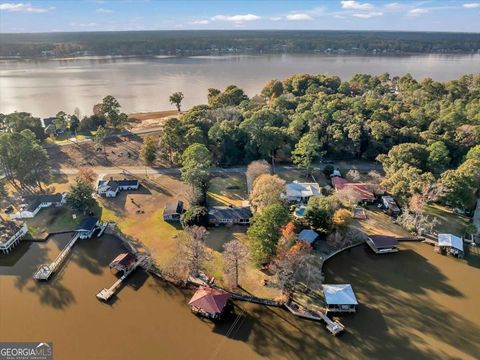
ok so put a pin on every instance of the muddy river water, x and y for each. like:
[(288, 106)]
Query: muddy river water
[(414, 305)]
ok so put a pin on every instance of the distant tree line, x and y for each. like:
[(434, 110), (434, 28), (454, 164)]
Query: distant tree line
[(205, 42)]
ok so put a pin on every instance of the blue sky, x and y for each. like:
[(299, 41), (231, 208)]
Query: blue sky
[(99, 15)]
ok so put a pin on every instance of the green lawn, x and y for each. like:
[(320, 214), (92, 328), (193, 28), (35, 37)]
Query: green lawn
[(449, 221), (53, 219), (227, 190)]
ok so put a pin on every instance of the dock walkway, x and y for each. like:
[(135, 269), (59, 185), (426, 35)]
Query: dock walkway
[(46, 270), (105, 294), (335, 327)]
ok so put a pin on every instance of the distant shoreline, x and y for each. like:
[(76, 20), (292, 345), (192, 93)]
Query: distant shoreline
[(227, 55)]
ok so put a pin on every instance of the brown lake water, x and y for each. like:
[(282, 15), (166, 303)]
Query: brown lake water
[(415, 304), (45, 87)]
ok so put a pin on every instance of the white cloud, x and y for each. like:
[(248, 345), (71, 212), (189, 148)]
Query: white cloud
[(276, 18), (298, 17), (355, 5), (24, 7), (368, 15), (104, 11), (87, 25), (200, 22), (417, 12), (237, 19), (471, 5), (395, 6)]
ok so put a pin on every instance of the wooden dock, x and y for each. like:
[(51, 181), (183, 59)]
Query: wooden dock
[(105, 294), (46, 270), (335, 327)]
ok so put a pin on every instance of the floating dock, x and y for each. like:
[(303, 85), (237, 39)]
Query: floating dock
[(105, 294), (46, 270), (335, 327)]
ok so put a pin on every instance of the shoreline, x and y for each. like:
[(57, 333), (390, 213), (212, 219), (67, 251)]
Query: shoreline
[(225, 55)]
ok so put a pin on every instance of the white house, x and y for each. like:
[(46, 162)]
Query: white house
[(301, 192), (11, 232), (34, 203), (112, 187), (340, 298)]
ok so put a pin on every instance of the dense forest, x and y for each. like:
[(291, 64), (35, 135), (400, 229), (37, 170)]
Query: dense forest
[(149, 43), (426, 134)]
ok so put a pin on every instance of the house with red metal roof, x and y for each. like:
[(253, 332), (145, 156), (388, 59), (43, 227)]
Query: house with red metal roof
[(363, 194), (209, 302)]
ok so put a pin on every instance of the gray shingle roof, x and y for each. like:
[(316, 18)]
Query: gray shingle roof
[(225, 212)]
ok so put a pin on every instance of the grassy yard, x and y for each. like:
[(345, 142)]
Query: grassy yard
[(450, 222), (380, 223), (227, 190), (252, 280), (53, 219)]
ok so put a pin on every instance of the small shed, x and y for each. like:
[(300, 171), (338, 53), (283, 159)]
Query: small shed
[(123, 262), (340, 298), (391, 206), (173, 210), (451, 243), (382, 244), (307, 235), (210, 303)]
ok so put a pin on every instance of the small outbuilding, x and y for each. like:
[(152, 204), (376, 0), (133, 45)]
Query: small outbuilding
[(123, 262), (87, 227), (339, 298), (382, 244), (451, 244), (391, 206), (210, 303), (173, 210), (307, 235)]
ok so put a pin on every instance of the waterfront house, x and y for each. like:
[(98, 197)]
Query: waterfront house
[(229, 215), (391, 206), (111, 188), (173, 210), (208, 302), (382, 244), (123, 262), (339, 298), (307, 235), (301, 192), (87, 227), (11, 232), (451, 244), (361, 192), (34, 203)]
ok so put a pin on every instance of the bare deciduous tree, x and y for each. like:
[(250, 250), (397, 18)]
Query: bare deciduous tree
[(286, 263), (235, 257), (254, 170), (87, 173), (191, 252)]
